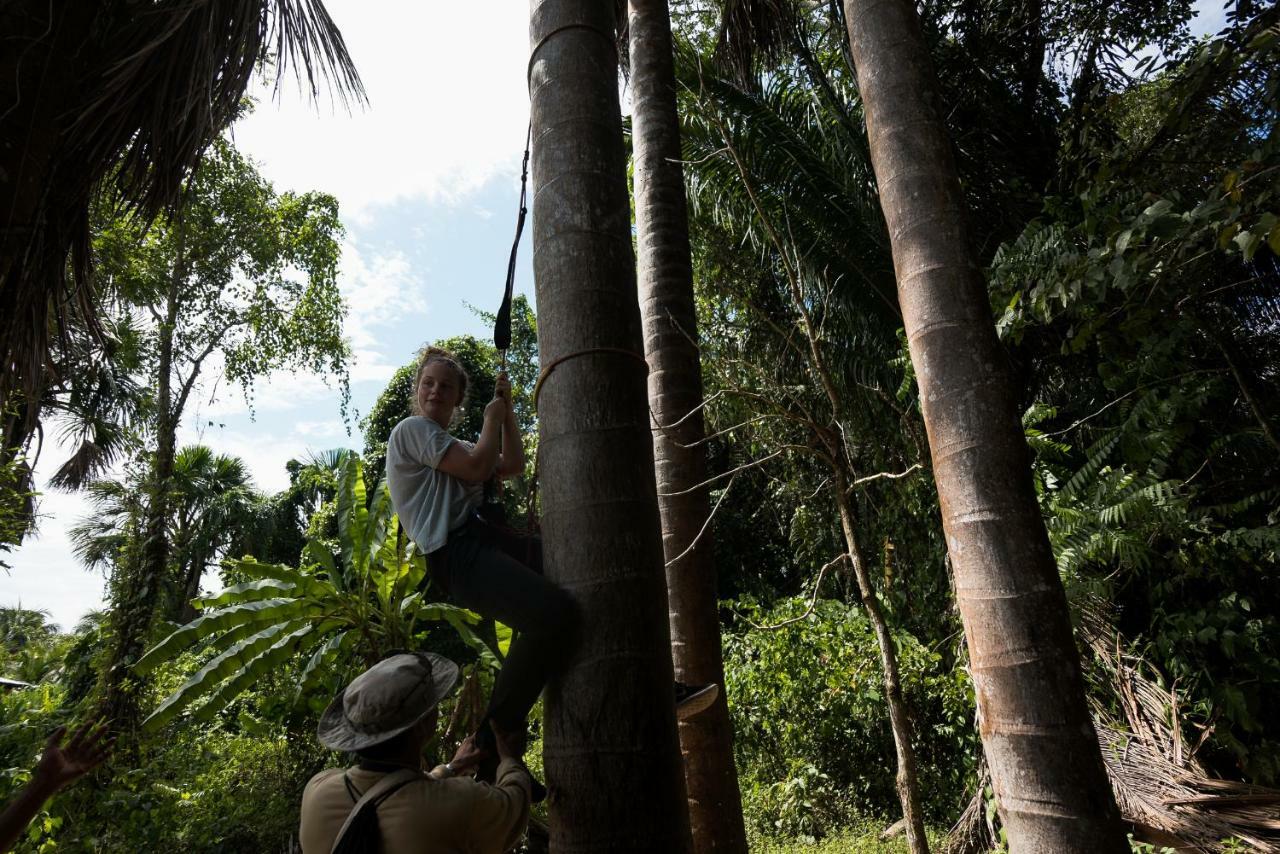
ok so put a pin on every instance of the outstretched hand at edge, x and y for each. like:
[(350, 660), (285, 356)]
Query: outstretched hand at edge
[(60, 765)]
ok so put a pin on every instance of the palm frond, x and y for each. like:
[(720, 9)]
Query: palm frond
[(127, 95)]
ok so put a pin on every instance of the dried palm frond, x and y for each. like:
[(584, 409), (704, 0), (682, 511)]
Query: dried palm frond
[(125, 96), (1164, 793), (753, 28)]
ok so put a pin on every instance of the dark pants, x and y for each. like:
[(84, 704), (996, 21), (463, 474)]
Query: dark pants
[(497, 573)]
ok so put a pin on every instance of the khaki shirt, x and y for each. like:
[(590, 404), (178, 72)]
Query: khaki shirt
[(428, 816)]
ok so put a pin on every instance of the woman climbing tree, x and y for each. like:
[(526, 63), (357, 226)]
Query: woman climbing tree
[(436, 484)]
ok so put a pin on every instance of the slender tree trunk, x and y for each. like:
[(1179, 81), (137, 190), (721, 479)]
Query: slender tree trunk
[(138, 585), (907, 780), (1245, 380), (1046, 765), (675, 391), (832, 443), (611, 750)]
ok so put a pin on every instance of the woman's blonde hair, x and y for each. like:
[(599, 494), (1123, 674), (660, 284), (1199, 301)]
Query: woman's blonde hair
[(431, 354)]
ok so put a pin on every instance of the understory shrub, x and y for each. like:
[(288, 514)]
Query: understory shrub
[(812, 741)]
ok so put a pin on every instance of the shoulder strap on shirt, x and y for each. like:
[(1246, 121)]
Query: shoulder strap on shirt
[(376, 794)]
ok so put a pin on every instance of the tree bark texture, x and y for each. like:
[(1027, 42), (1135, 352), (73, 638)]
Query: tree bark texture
[(1050, 783), (665, 279), (610, 745)]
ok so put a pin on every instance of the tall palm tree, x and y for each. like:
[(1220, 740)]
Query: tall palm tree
[(210, 503), (212, 500), (665, 281), (125, 95), (610, 720), (1050, 782)]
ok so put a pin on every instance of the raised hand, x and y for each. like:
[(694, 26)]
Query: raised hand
[(60, 765), (467, 756)]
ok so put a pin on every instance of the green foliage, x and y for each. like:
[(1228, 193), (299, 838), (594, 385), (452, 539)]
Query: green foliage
[(1146, 308), (31, 648), (862, 837), (812, 737), (17, 503), (338, 612), (214, 788)]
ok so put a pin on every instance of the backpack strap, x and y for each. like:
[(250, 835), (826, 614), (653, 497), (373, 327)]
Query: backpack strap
[(377, 793)]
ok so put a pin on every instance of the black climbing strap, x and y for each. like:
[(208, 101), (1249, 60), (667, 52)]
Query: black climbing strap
[(502, 324)]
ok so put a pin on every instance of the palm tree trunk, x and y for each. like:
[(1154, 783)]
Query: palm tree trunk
[(1046, 766), (665, 276), (611, 750)]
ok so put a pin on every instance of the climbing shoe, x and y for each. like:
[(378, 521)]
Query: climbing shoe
[(694, 699)]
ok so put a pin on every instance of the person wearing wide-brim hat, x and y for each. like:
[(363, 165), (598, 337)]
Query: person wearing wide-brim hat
[(385, 716)]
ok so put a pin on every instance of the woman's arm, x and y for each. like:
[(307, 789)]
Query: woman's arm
[(511, 460), (477, 464)]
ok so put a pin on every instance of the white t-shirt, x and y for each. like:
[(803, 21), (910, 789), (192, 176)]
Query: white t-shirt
[(429, 503)]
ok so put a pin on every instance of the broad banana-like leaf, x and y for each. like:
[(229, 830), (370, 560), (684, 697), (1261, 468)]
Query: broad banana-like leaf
[(353, 520), (304, 582), (235, 634), (325, 655), (381, 517), (238, 658), (318, 554), (460, 619), (263, 588), (417, 563), (274, 656), (260, 611), (505, 636)]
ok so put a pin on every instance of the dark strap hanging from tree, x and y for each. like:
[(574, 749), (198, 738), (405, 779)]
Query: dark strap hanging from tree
[(502, 324)]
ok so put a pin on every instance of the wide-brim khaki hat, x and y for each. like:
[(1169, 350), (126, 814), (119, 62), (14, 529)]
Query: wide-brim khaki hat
[(386, 700)]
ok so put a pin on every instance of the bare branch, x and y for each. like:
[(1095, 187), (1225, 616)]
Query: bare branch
[(813, 601), (884, 474), (707, 523), (683, 418), (722, 475)]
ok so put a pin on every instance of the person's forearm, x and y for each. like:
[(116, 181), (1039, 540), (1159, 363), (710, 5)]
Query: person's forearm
[(484, 455), (16, 816), (512, 445)]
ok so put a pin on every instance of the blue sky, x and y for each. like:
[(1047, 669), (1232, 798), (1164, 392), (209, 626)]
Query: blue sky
[(427, 177)]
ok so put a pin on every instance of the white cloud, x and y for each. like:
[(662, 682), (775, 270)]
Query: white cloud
[(378, 290), (330, 427), (447, 107)]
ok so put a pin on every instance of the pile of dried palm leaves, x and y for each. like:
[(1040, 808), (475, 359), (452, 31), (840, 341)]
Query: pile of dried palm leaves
[(1165, 794)]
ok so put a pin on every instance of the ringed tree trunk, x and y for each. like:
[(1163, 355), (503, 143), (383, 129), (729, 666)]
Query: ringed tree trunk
[(665, 276), (1046, 766), (611, 750)]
